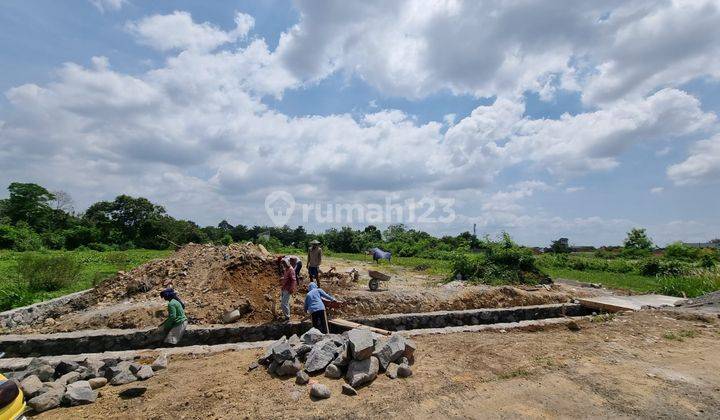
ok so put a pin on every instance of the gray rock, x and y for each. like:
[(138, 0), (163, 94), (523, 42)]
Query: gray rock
[(404, 371), (160, 363), (68, 378), (410, 347), (85, 373), (302, 350), (96, 383), (333, 372), (65, 367), (53, 386), (120, 374), (361, 343), (79, 393), (46, 401), (273, 367), (45, 373), (294, 340), (94, 366), (282, 352), (343, 357), (391, 350), (31, 386), (144, 373), (253, 366), (320, 356), (320, 391), (391, 371), (361, 372), (231, 316), (403, 360), (348, 390), (301, 378), (289, 368), (134, 367), (312, 336)]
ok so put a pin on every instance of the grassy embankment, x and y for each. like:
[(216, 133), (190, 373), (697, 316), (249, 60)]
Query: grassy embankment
[(89, 268)]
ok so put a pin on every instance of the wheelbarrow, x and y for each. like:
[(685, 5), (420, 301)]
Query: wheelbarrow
[(375, 278)]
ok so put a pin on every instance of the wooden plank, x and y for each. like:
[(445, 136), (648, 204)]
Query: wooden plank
[(349, 324)]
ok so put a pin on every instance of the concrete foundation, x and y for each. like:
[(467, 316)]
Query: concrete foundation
[(98, 341)]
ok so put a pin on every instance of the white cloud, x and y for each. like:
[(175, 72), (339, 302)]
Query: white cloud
[(108, 5), (657, 190), (177, 31), (607, 50), (702, 166), (571, 190)]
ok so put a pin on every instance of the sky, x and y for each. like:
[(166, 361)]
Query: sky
[(544, 119)]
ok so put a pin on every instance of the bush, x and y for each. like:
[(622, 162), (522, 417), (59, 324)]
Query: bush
[(678, 251), (19, 238), (14, 294), (650, 266), (48, 273), (118, 259)]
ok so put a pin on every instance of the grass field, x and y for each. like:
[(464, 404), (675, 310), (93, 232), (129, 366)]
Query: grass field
[(96, 266), (628, 281), (430, 266)]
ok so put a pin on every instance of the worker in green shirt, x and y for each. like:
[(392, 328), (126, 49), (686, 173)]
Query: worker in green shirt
[(176, 323)]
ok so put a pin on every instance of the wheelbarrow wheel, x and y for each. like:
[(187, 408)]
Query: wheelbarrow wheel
[(374, 284)]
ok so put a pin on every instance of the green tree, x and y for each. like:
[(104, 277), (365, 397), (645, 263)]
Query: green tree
[(127, 220), (638, 239), (560, 246), (30, 204)]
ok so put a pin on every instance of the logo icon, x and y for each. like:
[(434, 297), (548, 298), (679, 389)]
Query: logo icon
[(279, 206)]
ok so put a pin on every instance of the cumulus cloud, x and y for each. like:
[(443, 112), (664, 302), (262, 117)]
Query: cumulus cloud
[(607, 50), (177, 31), (702, 166)]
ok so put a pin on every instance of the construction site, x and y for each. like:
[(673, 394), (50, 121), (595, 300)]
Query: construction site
[(417, 346)]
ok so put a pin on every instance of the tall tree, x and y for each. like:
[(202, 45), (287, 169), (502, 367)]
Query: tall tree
[(28, 203)]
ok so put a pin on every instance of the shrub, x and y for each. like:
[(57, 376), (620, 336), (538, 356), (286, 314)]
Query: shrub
[(650, 266), (19, 238), (48, 272), (678, 251), (118, 259), (14, 294)]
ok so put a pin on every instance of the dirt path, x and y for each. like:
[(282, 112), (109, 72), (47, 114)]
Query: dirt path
[(644, 365)]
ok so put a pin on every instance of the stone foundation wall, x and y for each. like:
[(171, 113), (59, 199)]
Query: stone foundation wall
[(38, 311)]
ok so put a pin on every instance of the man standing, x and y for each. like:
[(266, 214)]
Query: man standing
[(315, 306), (289, 284), (313, 261)]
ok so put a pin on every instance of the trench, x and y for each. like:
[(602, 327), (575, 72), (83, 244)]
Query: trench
[(98, 341)]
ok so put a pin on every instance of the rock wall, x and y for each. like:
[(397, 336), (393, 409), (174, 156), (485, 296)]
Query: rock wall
[(39, 311)]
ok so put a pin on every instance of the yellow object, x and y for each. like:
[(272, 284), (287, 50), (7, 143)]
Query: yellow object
[(15, 409)]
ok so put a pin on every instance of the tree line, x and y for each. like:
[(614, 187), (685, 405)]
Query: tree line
[(34, 218)]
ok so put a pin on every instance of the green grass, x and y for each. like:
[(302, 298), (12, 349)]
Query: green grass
[(629, 281), (680, 335), (426, 265), (96, 266), (517, 373)]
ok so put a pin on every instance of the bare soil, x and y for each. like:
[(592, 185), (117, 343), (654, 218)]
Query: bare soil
[(640, 365)]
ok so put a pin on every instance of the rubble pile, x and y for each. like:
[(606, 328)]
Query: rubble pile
[(68, 383), (358, 356)]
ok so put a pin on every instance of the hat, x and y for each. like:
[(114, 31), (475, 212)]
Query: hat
[(314, 242)]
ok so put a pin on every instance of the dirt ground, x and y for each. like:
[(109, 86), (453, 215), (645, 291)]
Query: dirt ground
[(646, 364)]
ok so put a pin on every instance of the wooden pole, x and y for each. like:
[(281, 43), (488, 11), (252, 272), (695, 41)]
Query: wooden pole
[(327, 327)]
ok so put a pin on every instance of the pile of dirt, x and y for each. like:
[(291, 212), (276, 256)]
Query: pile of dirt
[(707, 303)]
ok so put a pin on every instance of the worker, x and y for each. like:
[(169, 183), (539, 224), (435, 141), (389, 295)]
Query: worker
[(313, 261), (315, 306), (297, 266), (289, 284), (176, 322)]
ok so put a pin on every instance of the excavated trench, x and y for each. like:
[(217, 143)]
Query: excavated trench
[(97, 341)]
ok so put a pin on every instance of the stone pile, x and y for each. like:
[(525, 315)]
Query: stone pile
[(358, 356), (68, 383)]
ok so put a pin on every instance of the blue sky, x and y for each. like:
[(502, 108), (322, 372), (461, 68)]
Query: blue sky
[(548, 119)]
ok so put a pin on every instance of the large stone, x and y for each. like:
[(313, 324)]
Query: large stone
[(289, 368), (120, 374), (41, 369), (96, 383), (312, 336), (160, 363), (65, 367), (343, 357), (320, 356), (68, 378), (391, 371), (282, 351), (134, 367), (320, 391), (301, 378), (361, 343), (31, 386), (94, 367), (404, 371), (409, 349), (333, 371), (79, 393), (144, 373), (348, 390), (294, 340), (390, 351), (362, 372), (231, 316), (46, 401)]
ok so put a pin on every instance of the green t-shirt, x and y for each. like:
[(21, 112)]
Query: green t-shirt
[(176, 314)]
